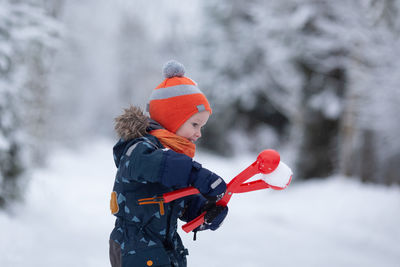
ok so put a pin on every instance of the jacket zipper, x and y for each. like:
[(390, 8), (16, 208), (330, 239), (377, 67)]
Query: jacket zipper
[(153, 200)]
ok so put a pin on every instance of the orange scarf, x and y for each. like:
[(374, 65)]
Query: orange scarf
[(175, 142)]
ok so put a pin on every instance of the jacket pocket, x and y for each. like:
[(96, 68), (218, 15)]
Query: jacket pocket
[(153, 200), (152, 256)]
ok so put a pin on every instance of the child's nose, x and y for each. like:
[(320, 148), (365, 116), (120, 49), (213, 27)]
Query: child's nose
[(198, 133)]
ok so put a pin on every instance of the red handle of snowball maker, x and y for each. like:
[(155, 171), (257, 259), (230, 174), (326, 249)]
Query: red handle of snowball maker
[(193, 224), (267, 161), (170, 196)]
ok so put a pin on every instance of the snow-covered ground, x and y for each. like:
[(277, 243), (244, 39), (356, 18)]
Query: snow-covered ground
[(336, 222)]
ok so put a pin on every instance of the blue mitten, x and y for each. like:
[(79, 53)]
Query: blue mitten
[(214, 216), (208, 183)]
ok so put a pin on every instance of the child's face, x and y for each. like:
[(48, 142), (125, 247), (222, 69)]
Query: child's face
[(191, 129)]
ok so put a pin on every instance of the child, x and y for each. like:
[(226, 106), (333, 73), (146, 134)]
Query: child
[(154, 156)]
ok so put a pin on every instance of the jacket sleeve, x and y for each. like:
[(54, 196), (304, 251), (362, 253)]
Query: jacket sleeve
[(144, 162)]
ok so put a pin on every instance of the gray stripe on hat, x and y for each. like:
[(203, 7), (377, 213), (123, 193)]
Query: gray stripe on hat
[(177, 90)]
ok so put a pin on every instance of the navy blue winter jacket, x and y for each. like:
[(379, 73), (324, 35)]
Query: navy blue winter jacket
[(146, 228)]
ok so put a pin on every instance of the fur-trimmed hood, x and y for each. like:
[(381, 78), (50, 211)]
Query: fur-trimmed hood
[(133, 123)]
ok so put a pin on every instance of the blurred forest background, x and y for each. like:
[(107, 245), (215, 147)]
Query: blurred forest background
[(319, 79)]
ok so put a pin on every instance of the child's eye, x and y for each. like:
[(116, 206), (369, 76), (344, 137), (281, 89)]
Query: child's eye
[(195, 124)]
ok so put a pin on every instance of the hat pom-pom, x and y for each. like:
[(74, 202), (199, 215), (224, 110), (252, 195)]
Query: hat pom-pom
[(173, 69)]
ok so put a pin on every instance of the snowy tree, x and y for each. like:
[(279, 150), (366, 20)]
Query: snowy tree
[(309, 45), (369, 130), (315, 65), (235, 76), (26, 33)]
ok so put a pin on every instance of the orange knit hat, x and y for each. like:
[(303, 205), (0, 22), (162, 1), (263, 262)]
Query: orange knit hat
[(176, 99)]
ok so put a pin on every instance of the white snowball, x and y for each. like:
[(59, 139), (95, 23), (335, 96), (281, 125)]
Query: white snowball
[(280, 177)]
